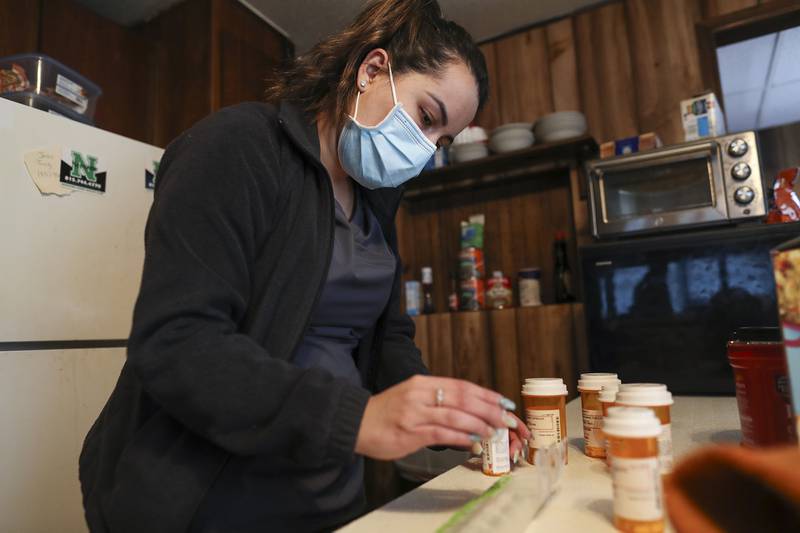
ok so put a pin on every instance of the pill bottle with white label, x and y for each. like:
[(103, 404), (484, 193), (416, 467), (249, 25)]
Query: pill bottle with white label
[(545, 402), (496, 460), (632, 434), (607, 397), (656, 397), (589, 386)]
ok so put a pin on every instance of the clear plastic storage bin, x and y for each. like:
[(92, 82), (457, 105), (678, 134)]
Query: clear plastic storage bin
[(45, 81), (38, 101)]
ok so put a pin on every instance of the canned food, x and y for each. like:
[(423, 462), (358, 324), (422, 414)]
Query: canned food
[(471, 295), (471, 264)]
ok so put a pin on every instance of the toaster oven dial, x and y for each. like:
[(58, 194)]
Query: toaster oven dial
[(744, 195), (740, 171), (738, 147)]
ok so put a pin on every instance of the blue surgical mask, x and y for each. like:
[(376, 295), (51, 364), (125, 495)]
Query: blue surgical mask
[(388, 154)]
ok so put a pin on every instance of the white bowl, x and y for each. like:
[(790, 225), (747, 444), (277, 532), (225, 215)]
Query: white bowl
[(510, 140), (560, 135), (460, 153), (560, 125), (471, 134), (512, 134), (513, 126)]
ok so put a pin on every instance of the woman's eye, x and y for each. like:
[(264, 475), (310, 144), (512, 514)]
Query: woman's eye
[(426, 119)]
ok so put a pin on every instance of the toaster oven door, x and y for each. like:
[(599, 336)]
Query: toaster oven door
[(651, 191)]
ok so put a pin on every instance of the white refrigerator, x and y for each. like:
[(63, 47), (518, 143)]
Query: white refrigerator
[(73, 204)]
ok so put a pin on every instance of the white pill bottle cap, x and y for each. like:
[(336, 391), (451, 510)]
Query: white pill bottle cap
[(632, 422), (644, 394), (608, 393), (594, 381), (544, 387)]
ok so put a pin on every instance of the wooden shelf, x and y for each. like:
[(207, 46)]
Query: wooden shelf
[(538, 159)]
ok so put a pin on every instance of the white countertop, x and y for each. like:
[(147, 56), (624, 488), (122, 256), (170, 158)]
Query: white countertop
[(583, 502)]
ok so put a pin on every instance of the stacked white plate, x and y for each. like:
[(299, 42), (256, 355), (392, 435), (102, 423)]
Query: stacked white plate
[(559, 126), (468, 145), (510, 137)]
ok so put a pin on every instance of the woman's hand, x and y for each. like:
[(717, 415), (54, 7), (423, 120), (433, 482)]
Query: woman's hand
[(406, 417)]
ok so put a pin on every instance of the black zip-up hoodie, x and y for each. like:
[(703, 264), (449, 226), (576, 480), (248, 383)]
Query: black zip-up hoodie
[(237, 248)]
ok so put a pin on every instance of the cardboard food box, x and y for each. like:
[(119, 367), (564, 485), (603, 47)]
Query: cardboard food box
[(786, 264), (629, 145), (702, 117)]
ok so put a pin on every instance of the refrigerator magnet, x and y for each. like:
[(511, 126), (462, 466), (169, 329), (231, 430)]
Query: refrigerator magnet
[(150, 175), (82, 171)]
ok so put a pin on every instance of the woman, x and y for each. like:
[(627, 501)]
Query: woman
[(268, 353)]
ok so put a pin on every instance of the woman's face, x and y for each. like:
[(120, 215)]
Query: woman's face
[(442, 104)]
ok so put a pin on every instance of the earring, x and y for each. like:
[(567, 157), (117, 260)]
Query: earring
[(363, 84)]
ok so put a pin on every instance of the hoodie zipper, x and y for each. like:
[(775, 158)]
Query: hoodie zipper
[(329, 253)]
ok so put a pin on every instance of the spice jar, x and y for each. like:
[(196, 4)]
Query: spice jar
[(545, 402), (498, 291), (656, 397), (589, 385), (530, 292), (495, 455), (632, 434)]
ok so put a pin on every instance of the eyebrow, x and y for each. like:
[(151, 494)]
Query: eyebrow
[(442, 107)]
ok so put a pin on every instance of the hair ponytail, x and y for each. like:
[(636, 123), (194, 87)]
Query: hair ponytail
[(413, 32)]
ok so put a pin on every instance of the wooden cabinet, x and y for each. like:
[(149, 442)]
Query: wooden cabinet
[(115, 58), (211, 54), (626, 64), (19, 26), (526, 197), (159, 78)]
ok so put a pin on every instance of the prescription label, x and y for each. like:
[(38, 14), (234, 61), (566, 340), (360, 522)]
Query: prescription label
[(637, 488)]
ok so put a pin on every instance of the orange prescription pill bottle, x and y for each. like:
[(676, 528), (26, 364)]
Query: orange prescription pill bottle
[(589, 385), (607, 397), (545, 402), (656, 397), (632, 434), (496, 461)]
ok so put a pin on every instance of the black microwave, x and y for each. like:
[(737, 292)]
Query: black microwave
[(699, 183), (661, 308)]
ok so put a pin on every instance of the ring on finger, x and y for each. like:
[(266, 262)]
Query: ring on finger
[(439, 397)]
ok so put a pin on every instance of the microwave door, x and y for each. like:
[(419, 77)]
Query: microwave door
[(648, 192)]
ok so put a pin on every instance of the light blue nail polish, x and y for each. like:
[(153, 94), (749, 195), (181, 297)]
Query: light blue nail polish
[(475, 438), (507, 404)]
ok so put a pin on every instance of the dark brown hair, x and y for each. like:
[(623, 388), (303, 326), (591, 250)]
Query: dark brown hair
[(414, 34)]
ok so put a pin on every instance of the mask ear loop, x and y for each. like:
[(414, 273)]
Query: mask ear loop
[(394, 92), (391, 80), (355, 111)]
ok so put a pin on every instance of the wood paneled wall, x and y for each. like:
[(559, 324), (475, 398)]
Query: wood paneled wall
[(212, 54), (499, 349), (19, 26), (521, 220), (625, 64), (162, 77), (115, 58)]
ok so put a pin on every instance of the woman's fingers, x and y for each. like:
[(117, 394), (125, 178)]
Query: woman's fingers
[(521, 429), (458, 420), (465, 396), (432, 435), (515, 446)]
